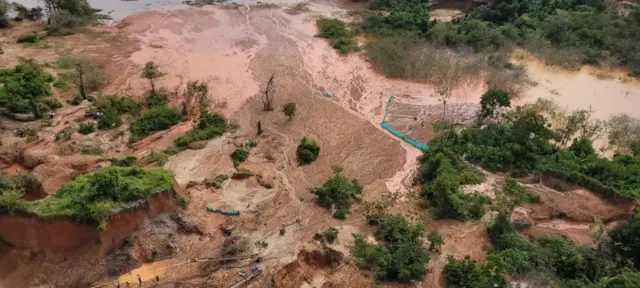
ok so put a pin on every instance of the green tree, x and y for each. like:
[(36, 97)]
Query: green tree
[(435, 240), (27, 84), (401, 257), (492, 101), (338, 193), (151, 72), (5, 7), (289, 110), (625, 239)]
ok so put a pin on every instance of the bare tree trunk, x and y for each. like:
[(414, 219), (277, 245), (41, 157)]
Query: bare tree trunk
[(83, 91), (259, 128), (266, 101)]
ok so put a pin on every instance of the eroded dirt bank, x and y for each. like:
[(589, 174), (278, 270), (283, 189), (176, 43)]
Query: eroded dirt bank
[(62, 235)]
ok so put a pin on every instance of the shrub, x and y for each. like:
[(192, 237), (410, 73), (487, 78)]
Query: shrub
[(210, 125), (156, 98), (289, 110), (335, 30), (24, 86), (51, 103), (625, 239), (62, 23), (239, 155), (155, 157), (12, 189), (307, 151), (401, 257), (152, 120), (28, 38), (468, 273), (91, 150), (109, 119), (120, 104), (61, 84), (86, 128), (338, 193), (330, 235), (435, 240), (171, 150), (126, 161)]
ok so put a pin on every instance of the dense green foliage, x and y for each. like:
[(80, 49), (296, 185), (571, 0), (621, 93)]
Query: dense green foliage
[(239, 155), (156, 98), (210, 125), (307, 151), (12, 188), (441, 174), (517, 193), (568, 33), (338, 193), (468, 273), (90, 198), (613, 264), (401, 257), (112, 107), (5, 7), (522, 144), (564, 32), (25, 86), (492, 101), (66, 16), (625, 240), (336, 32), (152, 120)]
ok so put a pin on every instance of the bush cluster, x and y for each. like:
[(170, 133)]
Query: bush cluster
[(152, 120), (28, 38), (336, 32), (13, 188), (400, 257), (441, 174), (68, 16), (86, 128), (338, 193), (25, 87), (307, 151), (112, 107), (210, 125)]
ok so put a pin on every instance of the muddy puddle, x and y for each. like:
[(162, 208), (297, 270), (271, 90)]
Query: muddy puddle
[(607, 92)]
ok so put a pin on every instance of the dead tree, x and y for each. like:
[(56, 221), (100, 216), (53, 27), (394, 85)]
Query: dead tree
[(80, 71), (266, 100), (259, 128)]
